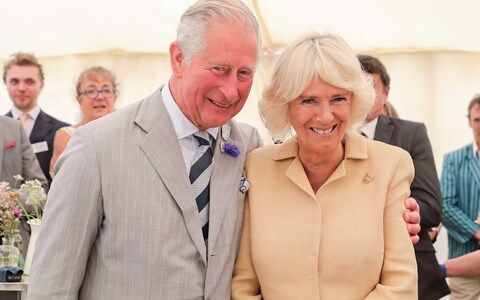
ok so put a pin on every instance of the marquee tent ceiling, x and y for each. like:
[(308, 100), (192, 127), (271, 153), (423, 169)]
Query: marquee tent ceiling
[(53, 28)]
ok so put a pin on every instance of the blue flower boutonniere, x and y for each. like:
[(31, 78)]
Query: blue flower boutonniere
[(230, 149)]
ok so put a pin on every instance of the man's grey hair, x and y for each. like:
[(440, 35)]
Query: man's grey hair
[(195, 22)]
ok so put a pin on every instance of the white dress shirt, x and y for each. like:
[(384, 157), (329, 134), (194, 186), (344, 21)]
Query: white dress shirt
[(184, 128), (30, 122), (369, 129)]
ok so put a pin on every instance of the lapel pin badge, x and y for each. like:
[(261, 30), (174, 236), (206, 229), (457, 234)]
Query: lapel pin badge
[(244, 185), (367, 178)]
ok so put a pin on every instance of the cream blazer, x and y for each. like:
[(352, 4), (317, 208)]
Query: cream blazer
[(346, 241)]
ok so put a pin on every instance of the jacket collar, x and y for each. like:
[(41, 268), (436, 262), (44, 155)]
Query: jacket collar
[(355, 148)]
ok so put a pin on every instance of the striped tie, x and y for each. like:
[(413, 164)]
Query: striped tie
[(200, 178)]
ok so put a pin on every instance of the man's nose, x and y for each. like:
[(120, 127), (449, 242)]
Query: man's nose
[(230, 88)]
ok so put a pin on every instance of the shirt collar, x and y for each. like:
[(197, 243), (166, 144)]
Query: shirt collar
[(475, 149), (16, 113), (182, 125), (369, 128)]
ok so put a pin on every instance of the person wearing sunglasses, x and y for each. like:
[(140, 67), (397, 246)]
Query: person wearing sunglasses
[(96, 94)]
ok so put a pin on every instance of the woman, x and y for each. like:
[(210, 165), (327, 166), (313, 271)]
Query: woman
[(323, 218), (96, 94)]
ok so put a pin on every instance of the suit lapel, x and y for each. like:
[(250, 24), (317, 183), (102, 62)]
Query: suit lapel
[(384, 129), (223, 185), (473, 165), (161, 148), (41, 128)]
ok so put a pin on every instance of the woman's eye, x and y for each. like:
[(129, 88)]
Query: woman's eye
[(309, 101), (339, 100)]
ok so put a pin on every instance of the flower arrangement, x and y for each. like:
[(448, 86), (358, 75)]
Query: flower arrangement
[(11, 208), (36, 197), (9, 211)]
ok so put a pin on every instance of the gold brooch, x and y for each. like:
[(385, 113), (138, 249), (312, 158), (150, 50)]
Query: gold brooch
[(367, 178)]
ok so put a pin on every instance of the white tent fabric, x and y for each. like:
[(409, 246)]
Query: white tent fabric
[(430, 48), (52, 27)]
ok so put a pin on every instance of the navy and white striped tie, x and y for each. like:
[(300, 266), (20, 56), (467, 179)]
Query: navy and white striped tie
[(200, 178)]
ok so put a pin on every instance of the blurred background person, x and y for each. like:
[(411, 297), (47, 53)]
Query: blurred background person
[(24, 78), (467, 265), (17, 158), (460, 184), (323, 215), (425, 188), (389, 110), (96, 91)]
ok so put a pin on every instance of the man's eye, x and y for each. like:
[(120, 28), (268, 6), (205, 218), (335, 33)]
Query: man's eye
[(219, 69), (244, 74)]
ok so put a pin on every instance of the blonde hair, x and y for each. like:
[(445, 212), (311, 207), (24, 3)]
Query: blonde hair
[(326, 56), (23, 59)]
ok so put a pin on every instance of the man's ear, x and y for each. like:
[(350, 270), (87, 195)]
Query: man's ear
[(177, 59), (387, 91)]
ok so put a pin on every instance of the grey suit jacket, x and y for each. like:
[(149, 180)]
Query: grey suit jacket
[(121, 220), (17, 158), (16, 153)]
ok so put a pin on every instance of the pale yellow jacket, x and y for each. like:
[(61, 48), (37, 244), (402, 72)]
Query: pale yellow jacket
[(347, 241)]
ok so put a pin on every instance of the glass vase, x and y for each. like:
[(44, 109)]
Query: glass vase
[(9, 254), (18, 242)]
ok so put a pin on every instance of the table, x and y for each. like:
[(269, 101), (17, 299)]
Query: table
[(19, 287)]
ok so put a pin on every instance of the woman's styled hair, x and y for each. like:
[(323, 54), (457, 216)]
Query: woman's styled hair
[(326, 56), (96, 72), (194, 23)]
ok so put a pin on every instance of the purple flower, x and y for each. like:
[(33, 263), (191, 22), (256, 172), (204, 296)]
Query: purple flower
[(17, 212), (231, 149)]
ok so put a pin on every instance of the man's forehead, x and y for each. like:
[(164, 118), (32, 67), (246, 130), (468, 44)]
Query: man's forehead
[(18, 71), (475, 108)]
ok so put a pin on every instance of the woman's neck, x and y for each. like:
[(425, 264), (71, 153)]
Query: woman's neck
[(320, 167)]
